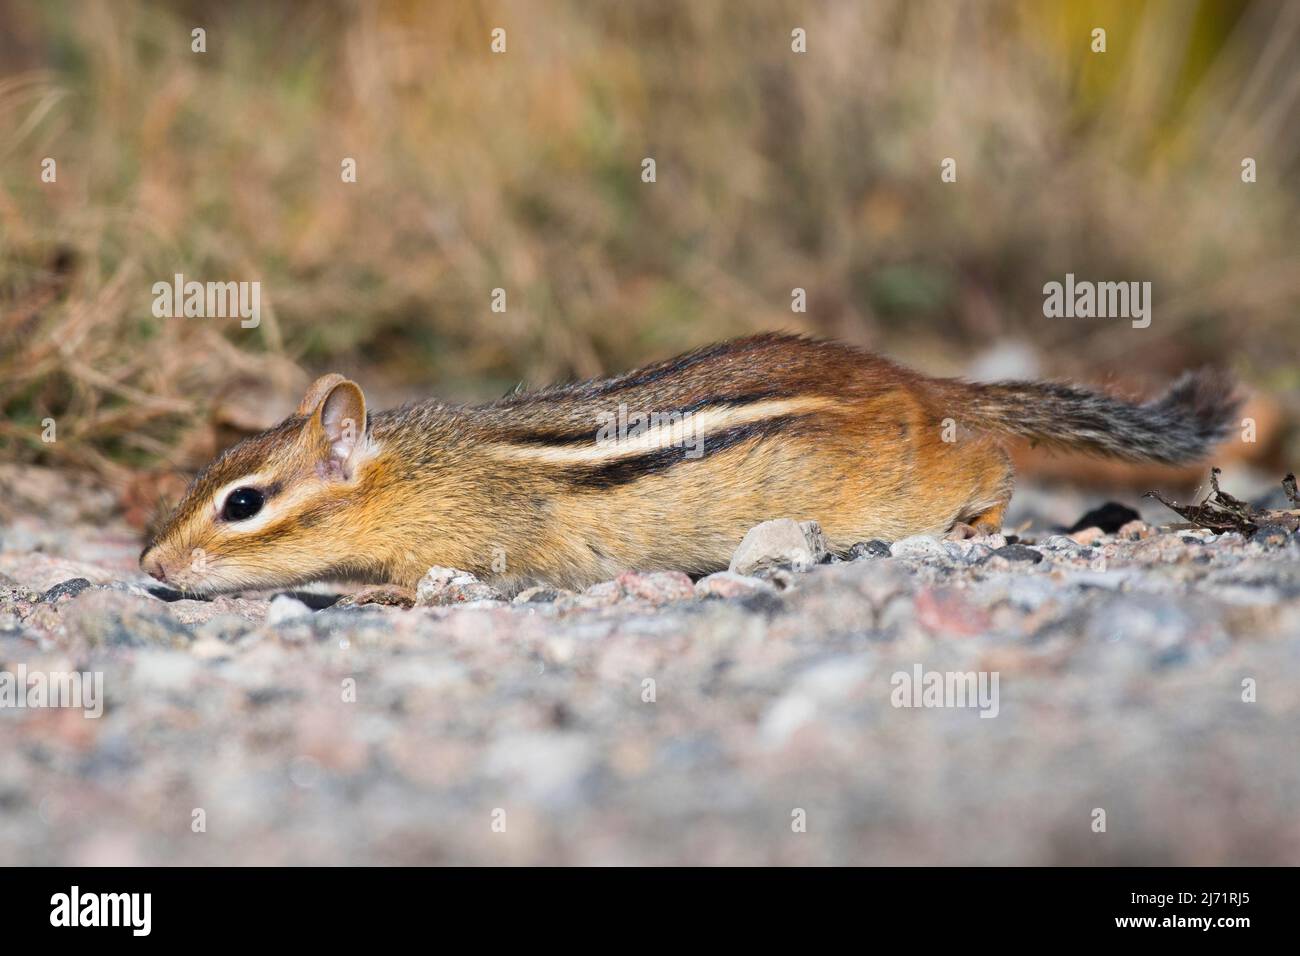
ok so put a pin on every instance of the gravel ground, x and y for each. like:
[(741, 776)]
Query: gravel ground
[(256, 730)]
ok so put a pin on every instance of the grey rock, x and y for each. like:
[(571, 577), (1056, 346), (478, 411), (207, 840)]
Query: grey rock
[(600, 594), (285, 608), (1019, 552), (549, 767), (728, 584), (443, 586), (656, 587), (874, 548), (918, 546), (782, 579), (69, 588), (115, 619), (539, 594), (1273, 536), (1061, 543), (479, 604), (224, 627), (973, 550), (784, 542)]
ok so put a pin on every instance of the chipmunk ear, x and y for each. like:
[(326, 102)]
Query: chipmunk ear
[(338, 410), (317, 392)]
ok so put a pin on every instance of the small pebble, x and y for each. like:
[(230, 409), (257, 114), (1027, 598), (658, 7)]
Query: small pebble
[(1273, 536), (443, 586), (874, 548), (539, 594), (918, 546), (728, 584), (1135, 531), (780, 543), (70, 588), (1088, 536), (284, 608), (1019, 552), (657, 587)]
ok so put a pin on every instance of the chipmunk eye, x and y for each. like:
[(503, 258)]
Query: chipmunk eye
[(242, 503)]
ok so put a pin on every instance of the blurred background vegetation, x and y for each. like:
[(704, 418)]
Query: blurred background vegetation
[(522, 171)]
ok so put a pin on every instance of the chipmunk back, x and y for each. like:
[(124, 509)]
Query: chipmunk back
[(665, 467)]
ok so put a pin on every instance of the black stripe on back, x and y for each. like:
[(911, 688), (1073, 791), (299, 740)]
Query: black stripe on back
[(660, 372), (624, 470), (721, 353)]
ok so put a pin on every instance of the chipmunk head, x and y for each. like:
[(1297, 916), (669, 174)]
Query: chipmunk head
[(274, 509)]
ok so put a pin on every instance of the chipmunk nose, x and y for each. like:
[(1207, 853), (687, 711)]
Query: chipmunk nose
[(152, 567)]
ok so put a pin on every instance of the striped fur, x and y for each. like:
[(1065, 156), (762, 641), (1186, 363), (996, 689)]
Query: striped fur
[(527, 489)]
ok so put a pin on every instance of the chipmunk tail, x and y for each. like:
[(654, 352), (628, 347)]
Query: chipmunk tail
[(1179, 427)]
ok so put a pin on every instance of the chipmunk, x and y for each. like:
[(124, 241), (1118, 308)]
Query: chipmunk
[(539, 487)]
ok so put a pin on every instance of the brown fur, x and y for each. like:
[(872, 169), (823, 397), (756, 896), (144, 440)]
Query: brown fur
[(852, 441)]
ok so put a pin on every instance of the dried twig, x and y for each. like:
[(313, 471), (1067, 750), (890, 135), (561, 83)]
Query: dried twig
[(1221, 512)]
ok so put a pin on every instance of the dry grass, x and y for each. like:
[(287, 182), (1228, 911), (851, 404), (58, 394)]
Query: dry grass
[(522, 171)]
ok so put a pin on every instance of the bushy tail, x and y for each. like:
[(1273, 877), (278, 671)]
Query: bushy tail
[(1181, 426)]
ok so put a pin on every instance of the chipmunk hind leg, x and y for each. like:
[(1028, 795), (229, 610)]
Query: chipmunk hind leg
[(988, 521), (990, 496)]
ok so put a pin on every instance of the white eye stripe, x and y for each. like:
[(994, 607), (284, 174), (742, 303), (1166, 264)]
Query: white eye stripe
[(273, 508)]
